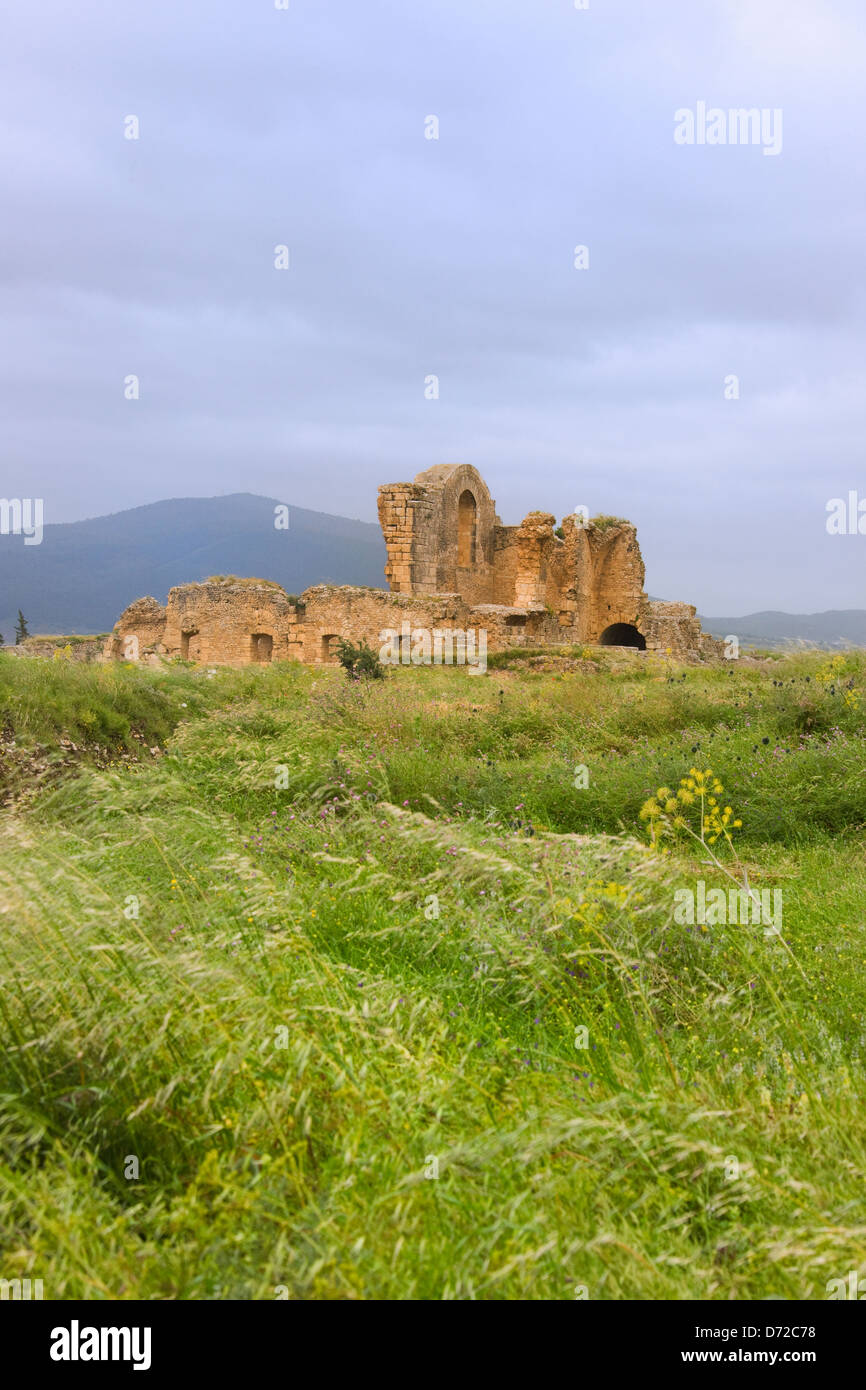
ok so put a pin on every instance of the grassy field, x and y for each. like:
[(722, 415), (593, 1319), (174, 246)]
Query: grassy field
[(340, 991)]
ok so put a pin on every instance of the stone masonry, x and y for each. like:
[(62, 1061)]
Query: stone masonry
[(451, 564)]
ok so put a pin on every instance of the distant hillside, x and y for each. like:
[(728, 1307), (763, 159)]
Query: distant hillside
[(84, 573), (837, 627)]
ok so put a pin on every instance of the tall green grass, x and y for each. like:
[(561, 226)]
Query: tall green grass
[(337, 939)]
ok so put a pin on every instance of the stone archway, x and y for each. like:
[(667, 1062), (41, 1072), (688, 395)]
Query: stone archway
[(623, 635), (467, 525), (437, 528)]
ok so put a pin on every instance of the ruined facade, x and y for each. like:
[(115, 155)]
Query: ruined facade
[(451, 564)]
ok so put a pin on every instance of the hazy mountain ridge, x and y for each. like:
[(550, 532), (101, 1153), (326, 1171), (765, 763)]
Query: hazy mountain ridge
[(85, 573), (771, 628)]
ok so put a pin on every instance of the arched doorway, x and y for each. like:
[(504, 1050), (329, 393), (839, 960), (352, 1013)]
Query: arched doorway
[(623, 635), (261, 646), (467, 515)]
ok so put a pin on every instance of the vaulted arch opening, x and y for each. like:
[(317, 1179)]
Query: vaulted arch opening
[(623, 635), (261, 646)]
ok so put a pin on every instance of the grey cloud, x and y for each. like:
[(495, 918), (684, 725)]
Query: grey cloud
[(451, 257)]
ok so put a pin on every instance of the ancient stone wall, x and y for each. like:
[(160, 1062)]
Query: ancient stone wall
[(229, 624), (443, 535), (357, 614), (139, 629), (410, 561), (439, 532), (451, 564), (72, 648), (617, 578), (674, 628)]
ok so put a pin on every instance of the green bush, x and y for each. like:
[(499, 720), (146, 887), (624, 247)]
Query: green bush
[(361, 662)]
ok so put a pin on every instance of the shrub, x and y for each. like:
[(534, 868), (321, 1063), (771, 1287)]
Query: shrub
[(360, 661)]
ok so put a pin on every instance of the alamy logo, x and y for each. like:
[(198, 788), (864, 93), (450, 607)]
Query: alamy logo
[(20, 1289), (422, 646), (22, 516), (847, 519), (736, 126), (101, 1344), (852, 1287), (736, 907)]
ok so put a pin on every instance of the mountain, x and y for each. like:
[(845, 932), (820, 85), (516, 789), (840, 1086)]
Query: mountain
[(835, 628), (84, 573)]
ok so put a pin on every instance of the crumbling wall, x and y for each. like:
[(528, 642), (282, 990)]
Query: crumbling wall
[(71, 648), (617, 578), (225, 623), (436, 542), (138, 631), (674, 628), (590, 579), (511, 626), (405, 515), (451, 564), (535, 566), (359, 614), (231, 624)]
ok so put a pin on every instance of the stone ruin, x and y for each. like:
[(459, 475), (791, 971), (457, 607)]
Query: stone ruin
[(451, 564)]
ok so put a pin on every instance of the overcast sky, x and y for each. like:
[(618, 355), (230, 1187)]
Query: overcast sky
[(410, 257)]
